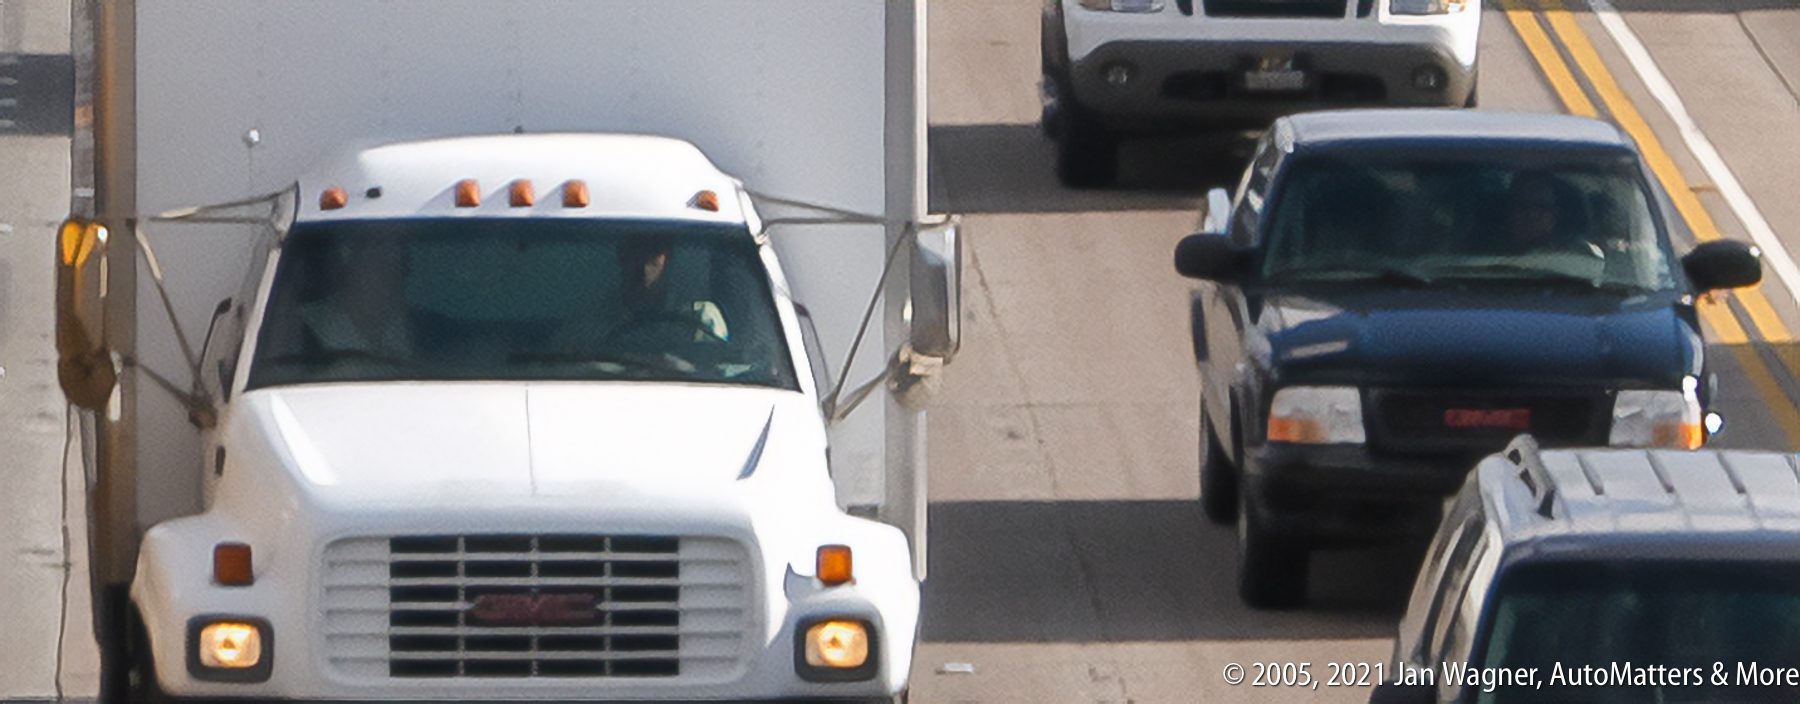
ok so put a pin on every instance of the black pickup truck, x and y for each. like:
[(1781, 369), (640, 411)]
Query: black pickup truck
[(1391, 295)]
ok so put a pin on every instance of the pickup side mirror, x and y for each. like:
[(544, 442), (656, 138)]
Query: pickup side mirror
[(1212, 257), (1409, 693), (937, 264), (84, 366), (1723, 264)]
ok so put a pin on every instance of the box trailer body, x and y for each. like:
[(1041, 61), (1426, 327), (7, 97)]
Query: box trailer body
[(189, 104)]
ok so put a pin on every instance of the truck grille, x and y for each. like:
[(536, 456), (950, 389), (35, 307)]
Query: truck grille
[(1275, 8), (1408, 421), (529, 606)]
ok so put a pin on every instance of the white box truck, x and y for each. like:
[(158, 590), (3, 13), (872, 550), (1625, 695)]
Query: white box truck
[(451, 350)]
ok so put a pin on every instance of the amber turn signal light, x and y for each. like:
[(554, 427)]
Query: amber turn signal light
[(835, 566), (232, 565)]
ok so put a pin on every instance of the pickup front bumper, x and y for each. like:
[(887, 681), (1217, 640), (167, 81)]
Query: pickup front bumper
[(1345, 495)]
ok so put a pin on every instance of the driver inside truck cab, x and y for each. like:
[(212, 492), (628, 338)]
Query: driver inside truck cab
[(645, 283)]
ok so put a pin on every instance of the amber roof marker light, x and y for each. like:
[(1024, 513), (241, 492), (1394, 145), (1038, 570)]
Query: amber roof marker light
[(468, 193)]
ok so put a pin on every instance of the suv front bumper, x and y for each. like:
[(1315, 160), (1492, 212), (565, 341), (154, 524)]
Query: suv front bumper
[(1177, 85)]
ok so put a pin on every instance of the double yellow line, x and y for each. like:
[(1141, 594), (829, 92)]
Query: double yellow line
[(1717, 314)]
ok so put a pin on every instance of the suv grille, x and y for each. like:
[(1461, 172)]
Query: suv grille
[(1274, 8), (1415, 421), (446, 606)]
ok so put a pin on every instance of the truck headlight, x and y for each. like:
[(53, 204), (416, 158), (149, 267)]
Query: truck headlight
[(230, 645), (840, 645), (1658, 418), (1425, 7), (836, 650), (1124, 5), (1316, 415), (230, 649)]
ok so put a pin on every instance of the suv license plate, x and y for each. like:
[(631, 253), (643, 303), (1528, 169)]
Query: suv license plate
[(1289, 80), (1505, 418)]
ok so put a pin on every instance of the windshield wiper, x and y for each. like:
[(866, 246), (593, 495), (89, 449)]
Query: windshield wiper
[(588, 358), (329, 356), (1537, 275), (1383, 275)]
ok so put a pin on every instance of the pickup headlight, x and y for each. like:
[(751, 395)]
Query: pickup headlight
[(1123, 5), (1425, 7), (1316, 415), (1657, 418)]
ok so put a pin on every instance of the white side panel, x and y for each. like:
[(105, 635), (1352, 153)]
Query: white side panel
[(785, 94)]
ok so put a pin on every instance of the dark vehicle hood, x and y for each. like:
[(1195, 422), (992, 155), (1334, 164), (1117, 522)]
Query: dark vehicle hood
[(1478, 338)]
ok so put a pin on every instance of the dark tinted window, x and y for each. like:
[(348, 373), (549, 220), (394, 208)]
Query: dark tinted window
[(1481, 218), (515, 299), (1670, 614)]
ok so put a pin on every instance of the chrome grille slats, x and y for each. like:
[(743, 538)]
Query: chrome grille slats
[(535, 605)]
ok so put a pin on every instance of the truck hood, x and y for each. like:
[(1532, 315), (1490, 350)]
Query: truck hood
[(508, 440), (1487, 337)]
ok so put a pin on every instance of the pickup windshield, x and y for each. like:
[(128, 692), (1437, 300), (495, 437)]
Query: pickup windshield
[(1487, 218), (521, 300), (1674, 615)]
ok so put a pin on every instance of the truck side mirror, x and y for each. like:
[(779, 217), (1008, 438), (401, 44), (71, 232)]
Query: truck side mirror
[(84, 365), (1211, 257), (1723, 264), (937, 263)]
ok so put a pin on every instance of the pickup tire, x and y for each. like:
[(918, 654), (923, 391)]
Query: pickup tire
[(1272, 571), (1218, 479), (1087, 154)]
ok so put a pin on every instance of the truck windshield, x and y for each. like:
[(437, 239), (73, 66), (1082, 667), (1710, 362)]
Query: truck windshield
[(1673, 615), (521, 300), (1487, 218)]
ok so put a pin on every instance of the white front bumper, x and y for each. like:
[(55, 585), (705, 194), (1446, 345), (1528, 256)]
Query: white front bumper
[(1456, 34), (327, 645)]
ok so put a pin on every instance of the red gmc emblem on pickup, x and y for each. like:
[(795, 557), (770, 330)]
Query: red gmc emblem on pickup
[(535, 610), (1504, 418)]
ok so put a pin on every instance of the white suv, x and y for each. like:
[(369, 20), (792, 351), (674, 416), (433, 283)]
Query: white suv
[(1116, 68)]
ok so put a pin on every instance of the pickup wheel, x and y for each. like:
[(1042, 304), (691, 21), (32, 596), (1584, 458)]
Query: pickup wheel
[(1218, 479), (1271, 570), (1087, 154)]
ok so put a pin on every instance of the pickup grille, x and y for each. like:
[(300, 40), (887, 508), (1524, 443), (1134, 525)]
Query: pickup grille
[(1275, 8), (531, 606), (1407, 421)]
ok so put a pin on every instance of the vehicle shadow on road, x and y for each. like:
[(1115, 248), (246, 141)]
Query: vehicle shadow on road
[(1010, 168), (1118, 571)]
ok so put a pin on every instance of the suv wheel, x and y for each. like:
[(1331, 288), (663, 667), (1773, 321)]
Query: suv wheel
[(1218, 479), (1271, 570)]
